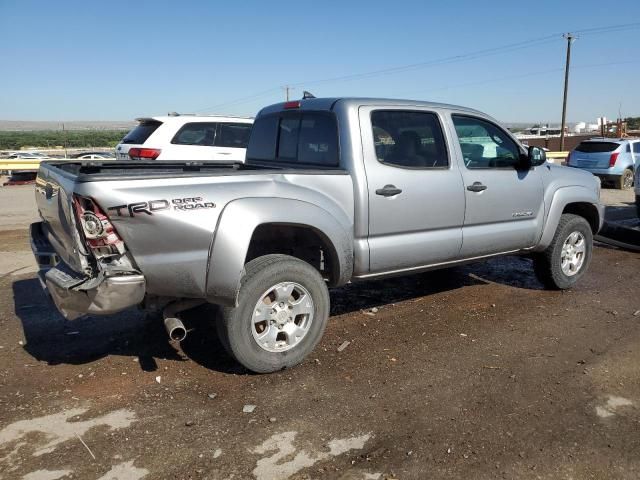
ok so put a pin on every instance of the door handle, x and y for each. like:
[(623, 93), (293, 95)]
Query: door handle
[(476, 187), (388, 191)]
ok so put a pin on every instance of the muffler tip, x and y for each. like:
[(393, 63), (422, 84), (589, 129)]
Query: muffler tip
[(175, 329)]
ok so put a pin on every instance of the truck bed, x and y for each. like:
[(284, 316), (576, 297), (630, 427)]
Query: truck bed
[(167, 213), (82, 172)]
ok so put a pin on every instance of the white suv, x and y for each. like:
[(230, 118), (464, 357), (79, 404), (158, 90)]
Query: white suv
[(187, 137)]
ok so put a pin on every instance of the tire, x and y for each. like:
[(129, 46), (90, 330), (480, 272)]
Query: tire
[(268, 278), (625, 181), (548, 265)]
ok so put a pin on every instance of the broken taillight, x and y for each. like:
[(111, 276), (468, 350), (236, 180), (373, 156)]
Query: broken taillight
[(100, 235)]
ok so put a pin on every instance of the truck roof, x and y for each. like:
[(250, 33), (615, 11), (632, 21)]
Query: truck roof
[(186, 118), (610, 140), (328, 103)]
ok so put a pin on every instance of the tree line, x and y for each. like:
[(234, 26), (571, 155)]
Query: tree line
[(633, 123), (59, 138)]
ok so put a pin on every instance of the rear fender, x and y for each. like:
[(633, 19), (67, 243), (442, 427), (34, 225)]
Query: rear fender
[(235, 228)]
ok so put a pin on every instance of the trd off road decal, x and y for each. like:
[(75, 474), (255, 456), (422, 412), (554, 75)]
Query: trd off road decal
[(151, 206)]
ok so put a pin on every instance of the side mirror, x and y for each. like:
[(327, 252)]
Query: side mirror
[(536, 156)]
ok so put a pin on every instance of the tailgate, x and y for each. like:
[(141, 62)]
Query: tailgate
[(590, 154), (592, 160), (54, 197)]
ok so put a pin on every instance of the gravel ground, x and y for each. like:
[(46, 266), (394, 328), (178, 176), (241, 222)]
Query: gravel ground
[(473, 372)]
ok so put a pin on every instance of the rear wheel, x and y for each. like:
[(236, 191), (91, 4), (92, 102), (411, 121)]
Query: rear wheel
[(282, 313), (625, 182), (567, 258)]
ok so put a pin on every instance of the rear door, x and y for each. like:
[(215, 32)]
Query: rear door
[(231, 141), (504, 203), (136, 137), (416, 199)]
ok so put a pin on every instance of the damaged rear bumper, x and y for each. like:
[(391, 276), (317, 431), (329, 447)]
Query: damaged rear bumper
[(75, 294)]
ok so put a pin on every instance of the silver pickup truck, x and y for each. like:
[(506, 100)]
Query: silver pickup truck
[(333, 190)]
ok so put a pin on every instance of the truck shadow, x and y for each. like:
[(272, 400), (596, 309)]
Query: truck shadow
[(55, 340), (514, 271)]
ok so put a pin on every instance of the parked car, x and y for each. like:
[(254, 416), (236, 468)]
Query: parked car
[(613, 160), (187, 137), (333, 191), (28, 155), (95, 156)]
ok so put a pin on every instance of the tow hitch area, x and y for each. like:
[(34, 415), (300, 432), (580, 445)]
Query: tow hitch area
[(75, 294)]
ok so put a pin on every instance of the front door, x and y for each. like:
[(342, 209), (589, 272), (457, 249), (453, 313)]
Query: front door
[(504, 202), (416, 196)]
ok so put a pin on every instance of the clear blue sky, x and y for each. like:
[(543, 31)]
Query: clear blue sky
[(116, 60)]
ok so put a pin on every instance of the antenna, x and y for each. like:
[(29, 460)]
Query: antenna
[(306, 95)]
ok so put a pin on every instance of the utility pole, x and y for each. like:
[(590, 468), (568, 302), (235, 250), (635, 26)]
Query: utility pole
[(569, 38), (64, 135), (287, 89)]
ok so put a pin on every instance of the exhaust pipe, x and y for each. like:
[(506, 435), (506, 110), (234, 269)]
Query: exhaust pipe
[(175, 328)]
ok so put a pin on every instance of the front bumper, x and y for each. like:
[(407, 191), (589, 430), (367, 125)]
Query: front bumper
[(75, 294)]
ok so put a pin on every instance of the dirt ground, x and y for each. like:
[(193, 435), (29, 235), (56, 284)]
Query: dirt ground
[(468, 373)]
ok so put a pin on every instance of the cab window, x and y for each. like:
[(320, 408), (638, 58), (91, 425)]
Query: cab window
[(409, 139), (485, 145)]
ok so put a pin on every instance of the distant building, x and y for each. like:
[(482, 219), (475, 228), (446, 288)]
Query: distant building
[(583, 127)]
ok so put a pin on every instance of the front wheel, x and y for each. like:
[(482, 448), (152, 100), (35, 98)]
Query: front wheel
[(283, 308), (567, 258)]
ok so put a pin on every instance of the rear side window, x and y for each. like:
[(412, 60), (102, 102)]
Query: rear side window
[(140, 133), (409, 139), (233, 135), (636, 147), (196, 133), (304, 138), (597, 147)]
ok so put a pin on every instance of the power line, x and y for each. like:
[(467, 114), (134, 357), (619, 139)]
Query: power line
[(398, 69), (518, 76), (241, 99), (440, 61), (608, 29), (437, 62)]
